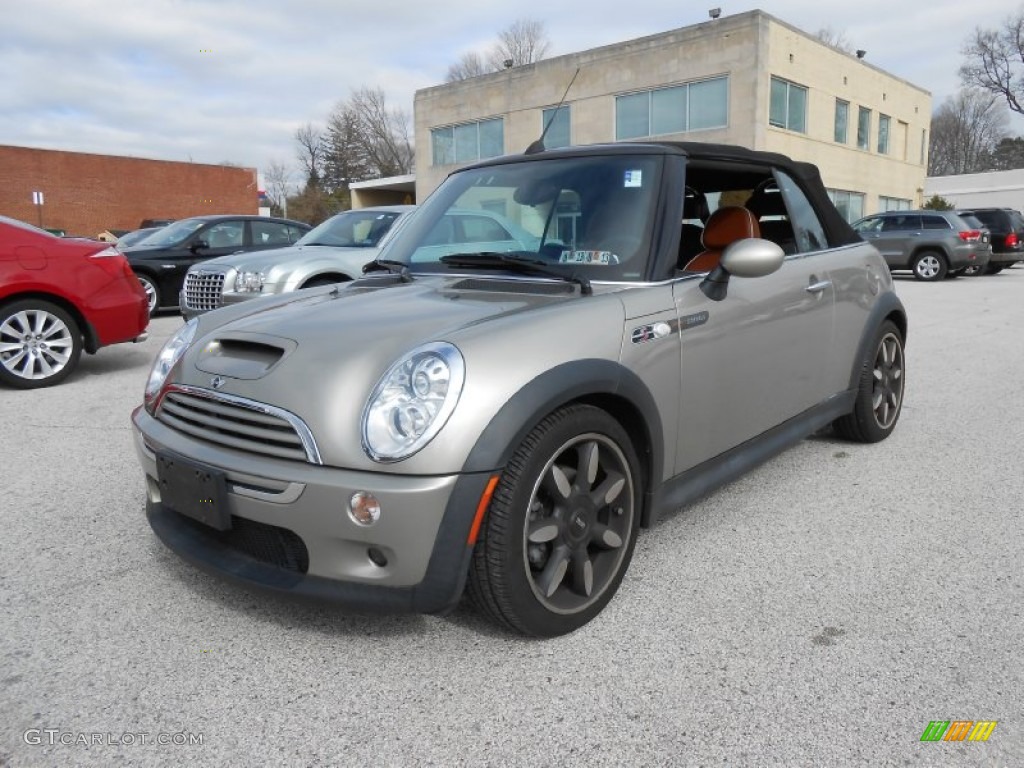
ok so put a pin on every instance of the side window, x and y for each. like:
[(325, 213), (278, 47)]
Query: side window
[(934, 222), (226, 234), (270, 233), (294, 233), (807, 229), (900, 223), (873, 224)]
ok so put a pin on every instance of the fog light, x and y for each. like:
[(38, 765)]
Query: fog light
[(364, 508), (377, 557)]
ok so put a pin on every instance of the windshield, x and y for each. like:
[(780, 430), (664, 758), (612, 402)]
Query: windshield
[(589, 215), (173, 234), (352, 229)]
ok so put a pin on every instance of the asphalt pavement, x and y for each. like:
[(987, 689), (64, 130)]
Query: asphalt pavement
[(822, 610)]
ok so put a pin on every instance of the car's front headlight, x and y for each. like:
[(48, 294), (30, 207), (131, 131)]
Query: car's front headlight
[(249, 282), (165, 361), (412, 401)]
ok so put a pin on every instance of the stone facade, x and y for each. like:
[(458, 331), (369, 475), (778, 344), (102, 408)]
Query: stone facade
[(750, 49)]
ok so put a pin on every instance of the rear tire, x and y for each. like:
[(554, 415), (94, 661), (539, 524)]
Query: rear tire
[(40, 344), (929, 266), (561, 527), (993, 269), (880, 390)]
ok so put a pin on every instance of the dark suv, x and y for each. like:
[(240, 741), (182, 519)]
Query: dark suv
[(931, 244), (1007, 229), (162, 259)]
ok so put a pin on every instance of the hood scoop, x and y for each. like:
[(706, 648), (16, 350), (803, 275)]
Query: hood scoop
[(243, 355)]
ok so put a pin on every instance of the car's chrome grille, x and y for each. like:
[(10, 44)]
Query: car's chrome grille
[(238, 423), (203, 290)]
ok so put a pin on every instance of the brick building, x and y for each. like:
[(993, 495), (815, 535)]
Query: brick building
[(85, 194)]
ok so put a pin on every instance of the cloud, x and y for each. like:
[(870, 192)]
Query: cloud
[(231, 80)]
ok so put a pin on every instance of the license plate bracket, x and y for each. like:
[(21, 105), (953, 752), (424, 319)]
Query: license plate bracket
[(194, 490)]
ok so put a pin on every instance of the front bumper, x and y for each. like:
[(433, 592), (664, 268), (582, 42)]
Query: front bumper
[(291, 532)]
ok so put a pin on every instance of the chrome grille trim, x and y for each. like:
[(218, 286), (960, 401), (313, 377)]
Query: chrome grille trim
[(237, 422), (204, 290)]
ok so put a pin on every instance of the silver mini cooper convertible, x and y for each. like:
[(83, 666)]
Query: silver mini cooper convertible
[(501, 414)]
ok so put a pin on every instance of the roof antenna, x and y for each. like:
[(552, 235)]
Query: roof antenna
[(538, 145)]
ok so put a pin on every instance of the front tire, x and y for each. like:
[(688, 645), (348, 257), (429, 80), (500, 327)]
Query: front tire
[(880, 390), (929, 266), (40, 344), (152, 292), (561, 527)]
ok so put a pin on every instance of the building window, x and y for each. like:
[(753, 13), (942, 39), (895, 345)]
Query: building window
[(924, 145), (788, 108), (883, 134), (559, 130), (863, 128), (849, 204), (842, 121), (692, 106), (468, 142), (893, 204)]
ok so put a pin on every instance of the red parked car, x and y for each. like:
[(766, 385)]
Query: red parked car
[(59, 296)]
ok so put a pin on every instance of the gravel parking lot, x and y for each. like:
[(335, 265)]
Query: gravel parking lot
[(820, 611)]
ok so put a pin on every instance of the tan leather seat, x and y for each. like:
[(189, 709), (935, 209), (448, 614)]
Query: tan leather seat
[(726, 226)]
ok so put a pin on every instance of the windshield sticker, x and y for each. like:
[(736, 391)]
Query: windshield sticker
[(633, 179), (588, 257)]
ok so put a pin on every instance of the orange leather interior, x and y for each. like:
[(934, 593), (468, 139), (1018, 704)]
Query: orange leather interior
[(726, 226)]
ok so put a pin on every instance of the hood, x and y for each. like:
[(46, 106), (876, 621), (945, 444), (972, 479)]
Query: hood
[(265, 260), (320, 352)]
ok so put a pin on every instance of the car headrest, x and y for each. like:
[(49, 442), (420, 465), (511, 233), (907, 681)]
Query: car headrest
[(727, 225)]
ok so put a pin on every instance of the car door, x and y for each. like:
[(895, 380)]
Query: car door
[(760, 356), (898, 238), (217, 238)]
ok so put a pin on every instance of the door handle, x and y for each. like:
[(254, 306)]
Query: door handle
[(819, 286)]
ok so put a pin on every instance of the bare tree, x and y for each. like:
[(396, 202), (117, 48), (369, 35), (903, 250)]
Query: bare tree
[(278, 179), (384, 132), (995, 61), (366, 139), (966, 128), (311, 152), (833, 39), (522, 42), (470, 65)]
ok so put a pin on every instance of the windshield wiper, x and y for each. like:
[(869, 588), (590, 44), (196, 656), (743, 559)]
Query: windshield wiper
[(392, 266), (496, 260)]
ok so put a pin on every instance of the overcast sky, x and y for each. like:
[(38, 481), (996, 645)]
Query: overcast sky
[(231, 80)]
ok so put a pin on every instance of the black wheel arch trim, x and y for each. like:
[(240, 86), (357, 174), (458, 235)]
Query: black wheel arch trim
[(888, 307), (604, 383)]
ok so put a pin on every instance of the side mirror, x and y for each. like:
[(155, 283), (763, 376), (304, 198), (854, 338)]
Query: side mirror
[(198, 245), (750, 257)]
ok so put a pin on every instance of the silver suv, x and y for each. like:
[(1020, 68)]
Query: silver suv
[(501, 415), (932, 244)]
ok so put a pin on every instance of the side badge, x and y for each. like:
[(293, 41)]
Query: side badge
[(651, 332), (217, 382), (692, 321)]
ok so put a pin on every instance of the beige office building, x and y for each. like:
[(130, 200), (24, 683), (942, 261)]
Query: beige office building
[(748, 79)]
